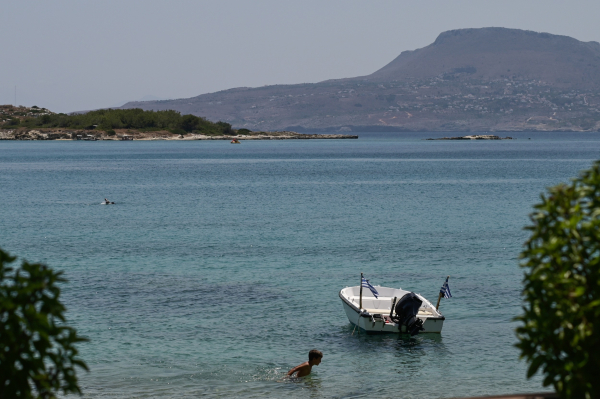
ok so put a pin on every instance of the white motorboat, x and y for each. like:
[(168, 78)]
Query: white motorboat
[(379, 314)]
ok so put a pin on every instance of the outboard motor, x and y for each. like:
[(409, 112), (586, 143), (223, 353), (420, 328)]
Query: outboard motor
[(406, 310)]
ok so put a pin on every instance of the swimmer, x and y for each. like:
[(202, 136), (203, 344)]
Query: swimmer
[(304, 369)]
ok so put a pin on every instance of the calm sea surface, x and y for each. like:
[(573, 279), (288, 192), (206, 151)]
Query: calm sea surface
[(219, 267)]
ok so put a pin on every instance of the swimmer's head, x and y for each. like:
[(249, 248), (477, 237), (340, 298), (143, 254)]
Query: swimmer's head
[(315, 356)]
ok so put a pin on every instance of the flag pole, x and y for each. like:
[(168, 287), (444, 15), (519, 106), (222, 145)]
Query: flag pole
[(360, 300), (440, 297), (438, 304)]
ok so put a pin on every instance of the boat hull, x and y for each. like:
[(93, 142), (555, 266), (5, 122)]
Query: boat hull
[(371, 324)]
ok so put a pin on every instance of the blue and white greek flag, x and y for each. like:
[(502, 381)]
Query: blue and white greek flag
[(445, 290), (366, 284)]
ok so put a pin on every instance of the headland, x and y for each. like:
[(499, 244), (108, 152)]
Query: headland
[(475, 137), (35, 123), (130, 134)]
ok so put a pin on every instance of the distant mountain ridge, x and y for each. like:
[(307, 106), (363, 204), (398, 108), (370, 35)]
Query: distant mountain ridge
[(494, 53), (467, 80)]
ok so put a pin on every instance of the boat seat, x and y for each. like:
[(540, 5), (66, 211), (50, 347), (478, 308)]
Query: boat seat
[(378, 311), (387, 311)]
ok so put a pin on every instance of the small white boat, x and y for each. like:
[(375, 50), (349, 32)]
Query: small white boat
[(378, 315)]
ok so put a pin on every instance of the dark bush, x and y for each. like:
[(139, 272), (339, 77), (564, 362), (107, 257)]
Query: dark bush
[(244, 131), (38, 356), (110, 132), (225, 128), (560, 331), (189, 122)]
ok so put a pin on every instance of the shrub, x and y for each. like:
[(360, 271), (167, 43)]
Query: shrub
[(244, 131), (38, 355), (110, 132), (224, 127), (189, 122), (561, 321)]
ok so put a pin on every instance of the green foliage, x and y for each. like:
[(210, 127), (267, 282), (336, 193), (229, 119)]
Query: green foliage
[(38, 356), (225, 128), (560, 333), (106, 119), (110, 132), (244, 131), (189, 122), (13, 122)]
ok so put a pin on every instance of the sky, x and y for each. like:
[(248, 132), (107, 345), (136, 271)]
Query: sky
[(72, 55)]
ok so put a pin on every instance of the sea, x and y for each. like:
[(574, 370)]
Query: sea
[(219, 266)]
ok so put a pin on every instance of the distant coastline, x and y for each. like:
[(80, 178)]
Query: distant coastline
[(35, 123), (128, 134), (475, 137)]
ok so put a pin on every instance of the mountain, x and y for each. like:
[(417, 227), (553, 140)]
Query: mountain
[(495, 53), (488, 79), (147, 97)]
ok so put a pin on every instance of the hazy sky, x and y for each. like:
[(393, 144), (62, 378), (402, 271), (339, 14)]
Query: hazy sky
[(78, 54)]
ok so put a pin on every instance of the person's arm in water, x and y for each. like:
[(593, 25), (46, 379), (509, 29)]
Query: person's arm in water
[(302, 370)]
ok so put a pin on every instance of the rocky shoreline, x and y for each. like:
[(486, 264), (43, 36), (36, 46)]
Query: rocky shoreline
[(126, 135), (475, 137)]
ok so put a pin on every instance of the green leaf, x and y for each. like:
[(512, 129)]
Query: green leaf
[(559, 330), (40, 360)]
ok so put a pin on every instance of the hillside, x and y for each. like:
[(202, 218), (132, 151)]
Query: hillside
[(12, 116), (489, 79)]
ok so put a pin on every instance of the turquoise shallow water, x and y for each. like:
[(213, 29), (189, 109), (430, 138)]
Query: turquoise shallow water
[(219, 267)]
